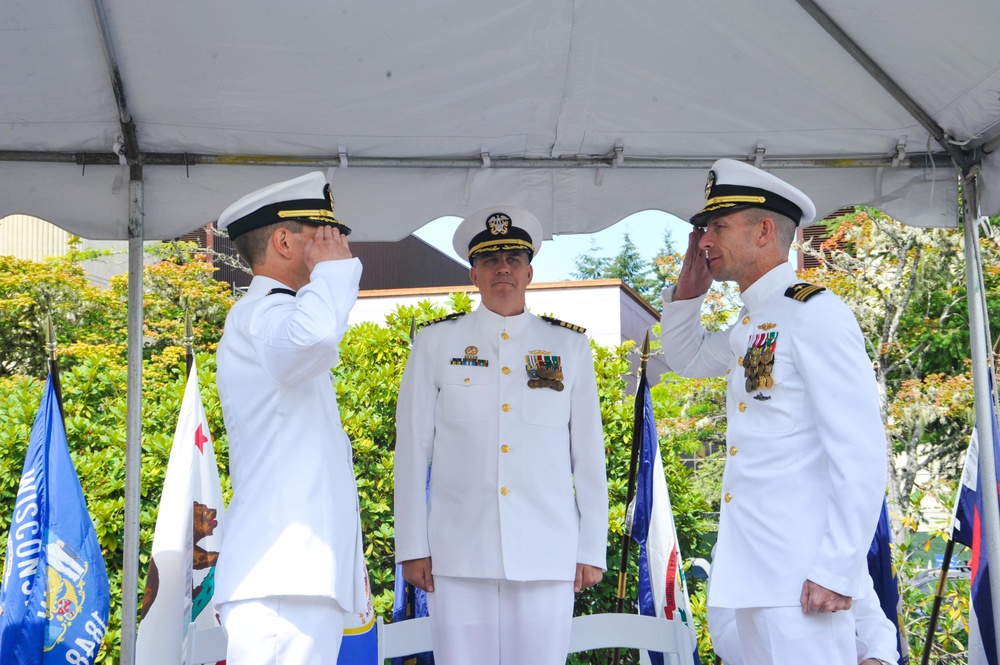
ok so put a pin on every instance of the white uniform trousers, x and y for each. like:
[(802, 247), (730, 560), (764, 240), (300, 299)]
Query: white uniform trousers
[(499, 622), (283, 630), (787, 636)]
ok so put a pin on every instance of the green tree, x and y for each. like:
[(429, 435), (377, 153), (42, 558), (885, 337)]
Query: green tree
[(628, 266), (907, 289)]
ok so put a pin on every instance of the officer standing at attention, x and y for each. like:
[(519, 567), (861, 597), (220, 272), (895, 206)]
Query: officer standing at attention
[(291, 562), (502, 406), (806, 466)]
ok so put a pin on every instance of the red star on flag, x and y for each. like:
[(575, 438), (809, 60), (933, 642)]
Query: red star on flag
[(200, 439)]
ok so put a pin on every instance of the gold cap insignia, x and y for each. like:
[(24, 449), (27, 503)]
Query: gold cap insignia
[(498, 223)]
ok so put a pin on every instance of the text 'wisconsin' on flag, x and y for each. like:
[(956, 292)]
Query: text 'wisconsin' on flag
[(54, 597)]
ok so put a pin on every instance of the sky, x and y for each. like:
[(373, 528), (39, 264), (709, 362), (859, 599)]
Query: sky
[(556, 260)]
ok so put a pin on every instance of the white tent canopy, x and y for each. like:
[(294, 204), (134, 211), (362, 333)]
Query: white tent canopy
[(144, 120), (419, 97)]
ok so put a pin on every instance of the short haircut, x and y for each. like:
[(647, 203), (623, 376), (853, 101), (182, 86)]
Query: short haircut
[(783, 226), (252, 245)]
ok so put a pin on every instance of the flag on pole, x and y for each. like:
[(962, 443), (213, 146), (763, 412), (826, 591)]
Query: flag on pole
[(883, 574), (54, 597), (662, 586), (360, 643), (180, 581), (967, 529)]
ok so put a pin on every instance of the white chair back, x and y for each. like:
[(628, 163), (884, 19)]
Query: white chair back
[(594, 631)]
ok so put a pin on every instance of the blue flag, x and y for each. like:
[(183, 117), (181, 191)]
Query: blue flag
[(967, 529), (662, 587), (54, 598), (359, 645), (883, 575)]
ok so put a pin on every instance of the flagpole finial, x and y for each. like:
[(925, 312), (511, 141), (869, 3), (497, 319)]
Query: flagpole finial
[(413, 328), (644, 354), (50, 337)]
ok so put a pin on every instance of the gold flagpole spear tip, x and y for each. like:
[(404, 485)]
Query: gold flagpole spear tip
[(644, 354), (50, 337)]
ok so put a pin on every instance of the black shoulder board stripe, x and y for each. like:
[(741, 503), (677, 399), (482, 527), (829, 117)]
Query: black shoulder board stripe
[(287, 292), (557, 322), (803, 291), (450, 317)]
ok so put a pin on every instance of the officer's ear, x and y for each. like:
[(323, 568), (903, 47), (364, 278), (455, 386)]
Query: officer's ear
[(281, 242)]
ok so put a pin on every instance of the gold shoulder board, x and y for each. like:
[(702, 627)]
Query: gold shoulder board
[(450, 317), (803, 291), (556, 322)]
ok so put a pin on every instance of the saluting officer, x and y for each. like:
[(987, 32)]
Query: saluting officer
[(805, 472), (502, 406), (291, 563)]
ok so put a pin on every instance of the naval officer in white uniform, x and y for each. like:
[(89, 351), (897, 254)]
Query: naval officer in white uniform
[(291, 562), (502, 406), (806, 468)]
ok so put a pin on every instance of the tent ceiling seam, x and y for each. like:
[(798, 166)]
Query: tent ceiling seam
[(958, 154), (129, 133), (187, 159)]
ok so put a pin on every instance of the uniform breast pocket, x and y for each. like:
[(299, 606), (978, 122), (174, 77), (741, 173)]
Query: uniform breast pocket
[(772, 399), (545, 406), (465, 394)]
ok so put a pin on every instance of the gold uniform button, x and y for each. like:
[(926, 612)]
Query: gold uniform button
[(506, 370), (506, 408), (466, 379), (740, 361), (728, 370), (746, 320), (505, 335), (503, 490), (732, 450), (728, 497), (505, 448), (743, 407)]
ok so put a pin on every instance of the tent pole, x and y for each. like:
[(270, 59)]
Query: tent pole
[(133, 427), (981, 364)]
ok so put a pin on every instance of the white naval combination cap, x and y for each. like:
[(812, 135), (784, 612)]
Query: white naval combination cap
[(733, 185), (304, 199), (498, 229)]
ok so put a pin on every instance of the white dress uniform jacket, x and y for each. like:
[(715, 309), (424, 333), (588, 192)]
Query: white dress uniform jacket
[(293, 526), (806, 461), (518, 488)]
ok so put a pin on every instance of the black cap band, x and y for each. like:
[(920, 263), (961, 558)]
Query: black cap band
[(312, 211), (723, 199)]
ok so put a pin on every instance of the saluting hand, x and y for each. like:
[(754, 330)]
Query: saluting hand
[(695, 277), (329, 244)]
